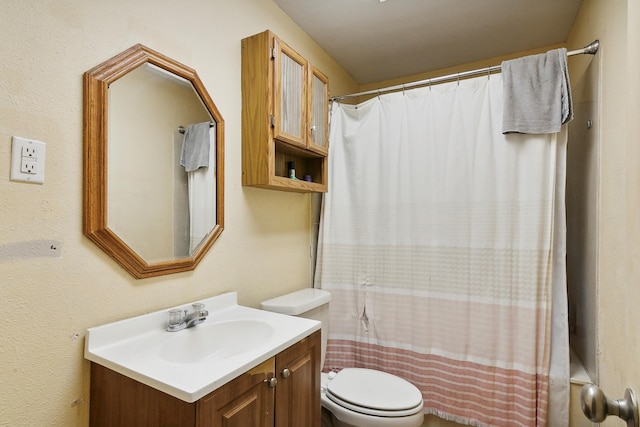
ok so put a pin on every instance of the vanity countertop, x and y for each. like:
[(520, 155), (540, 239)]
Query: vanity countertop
[(193, 362)]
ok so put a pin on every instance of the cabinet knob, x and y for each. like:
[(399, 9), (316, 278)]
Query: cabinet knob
[(271, 382), (285, 373)]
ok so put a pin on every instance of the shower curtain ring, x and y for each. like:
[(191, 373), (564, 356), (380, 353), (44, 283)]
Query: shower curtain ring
[(429, 85), (403, 88)]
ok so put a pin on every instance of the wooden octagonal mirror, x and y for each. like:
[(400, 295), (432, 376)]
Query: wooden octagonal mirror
[(153, 163)]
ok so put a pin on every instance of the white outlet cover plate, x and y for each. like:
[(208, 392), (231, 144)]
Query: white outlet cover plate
[(18, 148)]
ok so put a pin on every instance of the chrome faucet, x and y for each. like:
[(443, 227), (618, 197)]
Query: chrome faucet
[(183, 318)]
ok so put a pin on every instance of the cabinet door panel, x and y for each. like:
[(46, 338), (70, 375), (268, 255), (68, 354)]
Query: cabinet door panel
[(298, 390), (290, 95), (319, 108), (241, 412), (243, 402)]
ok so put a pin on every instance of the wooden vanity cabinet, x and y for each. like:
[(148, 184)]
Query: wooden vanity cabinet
[(252, 399), (285, 103)]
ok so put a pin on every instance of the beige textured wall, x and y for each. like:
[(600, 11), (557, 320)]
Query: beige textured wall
[(48, 302)]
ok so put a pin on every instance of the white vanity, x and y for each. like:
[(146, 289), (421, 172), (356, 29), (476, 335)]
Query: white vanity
[(240, 365)]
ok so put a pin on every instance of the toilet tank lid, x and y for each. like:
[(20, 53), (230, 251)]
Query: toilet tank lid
[(297, 302)]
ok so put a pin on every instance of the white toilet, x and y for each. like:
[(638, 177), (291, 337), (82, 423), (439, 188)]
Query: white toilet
[(354, 397)]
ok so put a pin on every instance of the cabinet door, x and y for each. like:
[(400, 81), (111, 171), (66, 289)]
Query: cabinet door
[(246, 401), (319, 111), (290, 95), (298, 389)]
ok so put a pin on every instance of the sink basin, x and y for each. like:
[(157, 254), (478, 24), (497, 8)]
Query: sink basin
[(193, 362), (220, 339)]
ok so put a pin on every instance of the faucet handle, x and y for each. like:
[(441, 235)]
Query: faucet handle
[(199, 310), (177, 318)]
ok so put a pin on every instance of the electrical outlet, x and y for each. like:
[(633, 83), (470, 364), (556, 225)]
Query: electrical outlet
[(28, 151), (27, 160), (29, 166)]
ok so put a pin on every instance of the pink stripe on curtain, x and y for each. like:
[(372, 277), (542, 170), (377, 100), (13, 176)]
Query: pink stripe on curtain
[(486, 395), (477, 360)]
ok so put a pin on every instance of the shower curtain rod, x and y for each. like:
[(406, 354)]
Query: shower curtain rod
[(590, 49)]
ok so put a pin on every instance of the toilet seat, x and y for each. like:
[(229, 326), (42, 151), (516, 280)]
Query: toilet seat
[(374, 393)]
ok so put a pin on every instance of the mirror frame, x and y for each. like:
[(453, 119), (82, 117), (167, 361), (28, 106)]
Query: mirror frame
[(95, 227)]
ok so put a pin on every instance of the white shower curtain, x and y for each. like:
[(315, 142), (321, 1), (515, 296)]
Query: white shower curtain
[(442, 243)]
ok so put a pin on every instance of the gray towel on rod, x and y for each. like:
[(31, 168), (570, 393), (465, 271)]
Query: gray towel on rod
[(196, 146), (536, 93)]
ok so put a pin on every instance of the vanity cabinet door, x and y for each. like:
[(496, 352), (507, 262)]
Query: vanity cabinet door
[(298, 390), (243, 402)]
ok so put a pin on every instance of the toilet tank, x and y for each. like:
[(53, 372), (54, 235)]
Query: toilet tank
[(309, 303)]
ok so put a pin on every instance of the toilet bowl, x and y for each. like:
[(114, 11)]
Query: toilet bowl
[(364, 397), (354, 397)]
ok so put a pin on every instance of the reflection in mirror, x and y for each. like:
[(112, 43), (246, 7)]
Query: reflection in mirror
[(157, 207), (146, 111)]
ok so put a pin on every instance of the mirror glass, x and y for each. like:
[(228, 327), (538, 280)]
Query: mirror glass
[(153, 163), (148, 188)]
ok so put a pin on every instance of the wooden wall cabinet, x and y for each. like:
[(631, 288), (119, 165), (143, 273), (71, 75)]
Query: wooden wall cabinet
[(285, 104), (252, 399)]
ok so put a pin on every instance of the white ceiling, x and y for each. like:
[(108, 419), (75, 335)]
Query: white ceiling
[(378, 40)]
